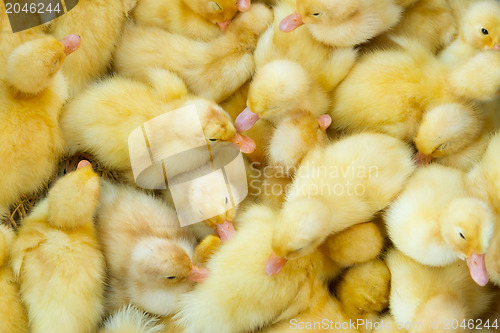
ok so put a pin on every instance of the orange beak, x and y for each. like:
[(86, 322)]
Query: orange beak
[(421, 159), (496, 47), (274, 264), (71, 43), (223, 25)]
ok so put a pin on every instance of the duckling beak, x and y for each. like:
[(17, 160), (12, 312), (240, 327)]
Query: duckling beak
[(225, 230), (71, 43), (274, 264), (223, 25), (83, 164), (245, 120), (246, 144), (198, 274), (243, 5), (496, 47), (421, 159), (291, 22), (477, 268), (324, 121)]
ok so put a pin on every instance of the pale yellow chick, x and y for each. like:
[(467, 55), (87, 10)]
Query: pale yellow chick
[(214, 69), (100, 121), (57, 258), (336, 187), (198, 19), (342, 23), (13, 317), (32, 93), (474, 54), (436, 222), (147, 252), (239, 296)]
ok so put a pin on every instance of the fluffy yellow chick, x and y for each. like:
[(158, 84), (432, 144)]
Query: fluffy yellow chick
[(99, 23), (214, 69), (279, 89), (282, 85), (388, 91), (13, 316), (240, 297), (475, 52), (148, 254), (423, 294), (57, 258), (479, 30), (32, 93), (100, 121), (131, 320), (336, 187), (343, 23), (445, 223), (200, 19)]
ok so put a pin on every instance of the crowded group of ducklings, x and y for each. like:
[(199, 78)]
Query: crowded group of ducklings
[(370, 135)]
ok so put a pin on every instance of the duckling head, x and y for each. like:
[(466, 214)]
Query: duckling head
[(218, 127), (481, 26), (301, 228), (467, 225), (319, 12), (31, 65), (160, 262), (219, 12), (213, 199), (446, 130), (277, 89)]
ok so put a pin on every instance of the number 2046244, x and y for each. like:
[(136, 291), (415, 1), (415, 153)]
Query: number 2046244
[(476, 324), (32, 8)]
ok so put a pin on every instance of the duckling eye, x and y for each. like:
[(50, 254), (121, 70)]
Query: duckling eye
[(216, 6), (171, 277), (462, 235), (442, 147), (226, 201), (315, 14), (213, 140), (484, 32)]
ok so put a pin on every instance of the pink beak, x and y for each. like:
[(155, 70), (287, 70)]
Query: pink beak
[(83, 164), (274, 264), (422, 159), (496, 47), (223, 25), (198, 274), (71, 43), (245, 120), (477, 268), (246, 144), (291, 22), (225, 230), (243, 5), (324, 121)]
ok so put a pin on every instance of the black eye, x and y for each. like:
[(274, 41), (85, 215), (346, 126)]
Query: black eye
[(171, 277), (213, 140), (226, 201), (316, 14), (484, 31), (462, 235)]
